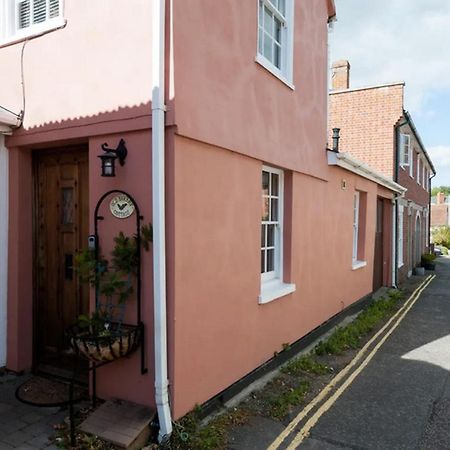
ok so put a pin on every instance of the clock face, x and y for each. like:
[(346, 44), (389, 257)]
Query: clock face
[(121, 206)]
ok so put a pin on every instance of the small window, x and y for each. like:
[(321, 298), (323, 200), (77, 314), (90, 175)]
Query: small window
[(359, 220), (400, 235), (25, 18), (275, 37), (405, 150)]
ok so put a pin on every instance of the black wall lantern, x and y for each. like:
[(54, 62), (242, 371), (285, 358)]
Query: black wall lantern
[(109, 158)]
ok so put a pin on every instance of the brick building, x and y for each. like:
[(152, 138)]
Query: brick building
[(376, 129), (440, 210)]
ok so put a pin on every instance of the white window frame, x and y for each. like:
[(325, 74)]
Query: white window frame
[(424, 175), (272, 285), (405, 150), (285, 73), (9, 30), (400, 235), (418, 168), (356, 263), (411, 159)]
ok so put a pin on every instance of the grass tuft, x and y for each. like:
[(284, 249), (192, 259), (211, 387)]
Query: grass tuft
[(349, 337), (281, 405), (305, 364)]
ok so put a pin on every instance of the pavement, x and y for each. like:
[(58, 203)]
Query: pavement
[(401, 400), (23, 426)]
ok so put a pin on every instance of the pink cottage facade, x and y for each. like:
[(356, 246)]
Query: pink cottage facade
[(261, 234)]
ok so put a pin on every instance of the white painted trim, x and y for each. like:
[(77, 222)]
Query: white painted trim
[(35, 31), (273, 70), (159, 221), (273, 290), (358, 265), (364, 88), (8, 120), (348, 162), (4, 217)]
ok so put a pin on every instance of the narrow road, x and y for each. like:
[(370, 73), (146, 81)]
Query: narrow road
[(401, 400)]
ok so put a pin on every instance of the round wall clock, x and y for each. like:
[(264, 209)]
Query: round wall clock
[(121, 206)]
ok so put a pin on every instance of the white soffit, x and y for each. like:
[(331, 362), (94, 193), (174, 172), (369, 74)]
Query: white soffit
[(348, 162)]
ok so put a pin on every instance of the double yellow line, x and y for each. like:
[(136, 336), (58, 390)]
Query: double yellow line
[(395, 320)]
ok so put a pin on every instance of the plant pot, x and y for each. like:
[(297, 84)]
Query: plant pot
[(429, 266), (121, 341)]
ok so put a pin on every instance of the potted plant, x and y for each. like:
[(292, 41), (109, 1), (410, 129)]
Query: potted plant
[(427, 261), (103, 336)]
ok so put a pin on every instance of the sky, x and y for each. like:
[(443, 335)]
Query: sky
[(403, 40)]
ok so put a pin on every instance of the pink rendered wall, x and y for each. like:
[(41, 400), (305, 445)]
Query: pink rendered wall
[(123, 379), (223, 97), (221, 332), (98, 63)]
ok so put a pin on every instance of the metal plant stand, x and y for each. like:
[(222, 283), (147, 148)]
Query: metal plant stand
[(124, 339)]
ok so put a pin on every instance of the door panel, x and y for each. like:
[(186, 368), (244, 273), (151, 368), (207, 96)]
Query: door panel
[(61, 231), (378, 256)]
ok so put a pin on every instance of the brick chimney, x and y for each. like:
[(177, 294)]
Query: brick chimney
[(340, 75), (440, 198)]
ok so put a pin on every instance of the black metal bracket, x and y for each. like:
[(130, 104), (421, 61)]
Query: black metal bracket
[(121, 151)]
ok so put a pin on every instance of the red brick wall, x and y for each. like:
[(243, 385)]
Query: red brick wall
[(367, 118), (439, 215)]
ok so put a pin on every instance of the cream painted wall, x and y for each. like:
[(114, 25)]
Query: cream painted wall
[(100, 62), (3, 248)]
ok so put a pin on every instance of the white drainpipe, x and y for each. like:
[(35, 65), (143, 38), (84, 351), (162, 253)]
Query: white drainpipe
[(159, 222), (4, 169)]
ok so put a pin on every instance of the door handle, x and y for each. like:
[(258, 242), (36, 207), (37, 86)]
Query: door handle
[(68, 267)]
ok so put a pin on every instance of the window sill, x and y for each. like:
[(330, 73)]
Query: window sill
[(273, 290), (358, 265), (273, 70), (35, 31)]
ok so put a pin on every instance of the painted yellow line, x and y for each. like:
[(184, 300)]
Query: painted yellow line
[(304, 432), (288, 430)]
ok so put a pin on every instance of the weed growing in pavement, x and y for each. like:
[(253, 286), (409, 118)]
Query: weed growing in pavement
[(281, 405), (307, 364), (349, 337), (189, 434)]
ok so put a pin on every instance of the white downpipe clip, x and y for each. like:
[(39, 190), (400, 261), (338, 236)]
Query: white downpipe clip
[(159, 222)]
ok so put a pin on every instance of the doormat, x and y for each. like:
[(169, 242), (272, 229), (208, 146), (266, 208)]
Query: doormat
[(48, 392)]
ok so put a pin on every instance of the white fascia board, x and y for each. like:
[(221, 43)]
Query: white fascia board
[(8, 120), (348, 162)]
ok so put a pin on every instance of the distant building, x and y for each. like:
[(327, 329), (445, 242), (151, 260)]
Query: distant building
[(440, 210), (376, 129)]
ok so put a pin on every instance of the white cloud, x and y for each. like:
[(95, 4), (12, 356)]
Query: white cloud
[(440, 155), (392, 40)]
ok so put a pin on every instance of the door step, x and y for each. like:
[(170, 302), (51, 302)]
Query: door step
[(123, 424)]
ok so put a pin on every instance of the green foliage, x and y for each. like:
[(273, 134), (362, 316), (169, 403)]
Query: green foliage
[(428, 258), (124, 255), (280, 405), (189, 434), (305, 364), (146, 236), (85, 266), (444, 189), (441, 235), (349, 337), (444, 250)]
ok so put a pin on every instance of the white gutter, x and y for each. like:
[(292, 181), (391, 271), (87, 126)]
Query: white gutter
[(159, 221), (4, 169), (348, 162), (8, 121)]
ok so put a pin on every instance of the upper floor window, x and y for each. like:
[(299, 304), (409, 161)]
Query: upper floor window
[(20, 19), (275, 37), (405, 150), (418, 168)]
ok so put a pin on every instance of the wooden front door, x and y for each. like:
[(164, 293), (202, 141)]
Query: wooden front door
[(378, 257), (61, 229)]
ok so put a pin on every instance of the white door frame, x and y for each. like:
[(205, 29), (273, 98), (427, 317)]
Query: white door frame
[(4, 217)]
